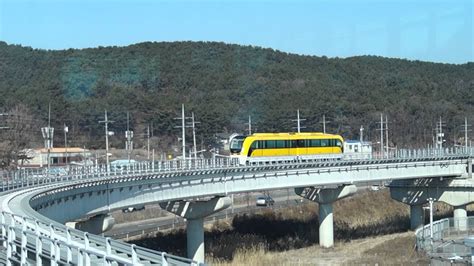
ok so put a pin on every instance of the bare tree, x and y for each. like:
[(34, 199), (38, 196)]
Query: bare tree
[(20, 132)]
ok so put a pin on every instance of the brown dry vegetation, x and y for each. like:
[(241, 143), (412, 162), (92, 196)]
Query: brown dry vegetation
[(258, 239), (393, 249)]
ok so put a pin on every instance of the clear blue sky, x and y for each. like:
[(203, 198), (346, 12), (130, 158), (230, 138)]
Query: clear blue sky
[(428, 30)]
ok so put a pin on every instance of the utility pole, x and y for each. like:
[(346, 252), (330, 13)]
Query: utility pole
[(361, 134), (47, 133), (183, 127), (148, 142), (466, 130), (298, 121), (386, 134), (324, 122), (250, 125), (66, 129), (129, 138), (194, 135), (431, 200), (382, 147), (107, 133), (184, 133), (439, 134)]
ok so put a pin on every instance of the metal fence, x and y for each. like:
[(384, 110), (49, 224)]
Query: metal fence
[(447, 243)]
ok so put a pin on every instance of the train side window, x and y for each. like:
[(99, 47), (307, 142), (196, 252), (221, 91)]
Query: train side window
[(254, 145), (315, 143), (300, 143), (294, 143), (280, 144), (270, 144), (291, 143), (324, 142)]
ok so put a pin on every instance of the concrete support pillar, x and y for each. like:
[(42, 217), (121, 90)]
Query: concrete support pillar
[(94, 225), (326, 225), (416, 216), (460, 218), (194, 212), (325, 197), (195, 239)]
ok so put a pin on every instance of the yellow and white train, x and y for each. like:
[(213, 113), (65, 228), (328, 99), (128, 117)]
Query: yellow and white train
[(270, 147)]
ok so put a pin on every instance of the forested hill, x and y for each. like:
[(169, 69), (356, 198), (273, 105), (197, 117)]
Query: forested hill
[(224, 84)]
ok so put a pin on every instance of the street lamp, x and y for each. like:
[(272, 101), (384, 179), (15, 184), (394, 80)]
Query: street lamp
[(431, 201), (66, 130), (107, 134)]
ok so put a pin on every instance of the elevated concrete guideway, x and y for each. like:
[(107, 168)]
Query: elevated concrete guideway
[(67, 203), (114, 191)]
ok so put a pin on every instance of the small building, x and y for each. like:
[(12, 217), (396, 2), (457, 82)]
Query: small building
[(119, 165), (356, 149), (223, 140), (58, 157)]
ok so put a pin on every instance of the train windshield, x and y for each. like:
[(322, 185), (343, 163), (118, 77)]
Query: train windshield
[(236, 144)]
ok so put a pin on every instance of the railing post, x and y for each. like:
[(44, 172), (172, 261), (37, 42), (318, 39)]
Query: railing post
[(57, 254), (13, 234), (86, 249), (4, 230), (134, 255), (39, 250), (9, 245), (108, 246), (164, 262), (69, 243), (80, 257), (53, 253), (23, 251)]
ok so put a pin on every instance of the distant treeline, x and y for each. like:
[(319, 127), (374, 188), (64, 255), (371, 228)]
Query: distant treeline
[(225, 84)]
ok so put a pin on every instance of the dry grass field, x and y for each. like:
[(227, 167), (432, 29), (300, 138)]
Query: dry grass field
[(393, 249), (369, 228)]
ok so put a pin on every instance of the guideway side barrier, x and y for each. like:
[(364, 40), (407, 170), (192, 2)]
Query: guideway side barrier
[(21, 236)]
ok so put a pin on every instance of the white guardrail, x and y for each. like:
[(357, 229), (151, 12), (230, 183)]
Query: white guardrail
[(447, 243), (61, 245)]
